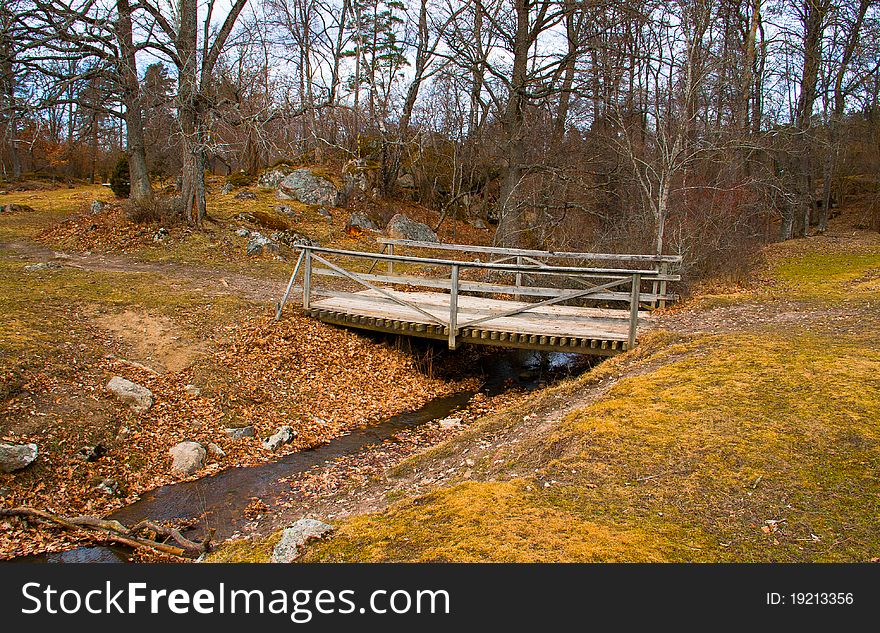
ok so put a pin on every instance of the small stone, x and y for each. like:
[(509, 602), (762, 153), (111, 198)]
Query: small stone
[(109, 488), (192, 390), (325, 213), (245, 195), (450, 423), (160, 235), (187, 457), (259, 244), (215, 451), (283, 209), (294, 538), (97, 207), (91, 453), (228, 188), (283, 435), (43, 266), (136, 396), (16, 456), (243, 233), (239, 432)]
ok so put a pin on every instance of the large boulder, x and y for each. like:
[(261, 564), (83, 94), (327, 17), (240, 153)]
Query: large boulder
[(187, 457), (403, 228), (309, 188), (283, 435), (16, 456), (359, 221), (136, 396), (290, 547)]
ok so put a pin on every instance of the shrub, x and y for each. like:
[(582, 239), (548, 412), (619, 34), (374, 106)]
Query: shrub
[(120, 180)]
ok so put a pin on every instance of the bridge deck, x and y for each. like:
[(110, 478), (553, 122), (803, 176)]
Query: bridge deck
[(551, 327)]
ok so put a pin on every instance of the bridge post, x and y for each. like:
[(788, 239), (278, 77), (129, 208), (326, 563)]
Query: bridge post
[(453, 309), (664, 269), (519, 277), (634, 309), (307, 278)]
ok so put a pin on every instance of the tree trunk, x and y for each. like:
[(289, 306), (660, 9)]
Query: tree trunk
[(139, 175), (512, 126), (192, 191)]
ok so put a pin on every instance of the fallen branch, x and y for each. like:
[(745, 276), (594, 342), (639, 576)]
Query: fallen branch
[(118, 533)]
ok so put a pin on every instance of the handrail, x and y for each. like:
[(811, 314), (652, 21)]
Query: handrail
[(532, 269), (669, 259)]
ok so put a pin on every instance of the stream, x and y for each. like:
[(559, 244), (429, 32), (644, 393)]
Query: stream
[(219, 500)]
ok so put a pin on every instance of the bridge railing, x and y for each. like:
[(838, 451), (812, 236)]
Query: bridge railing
[(664, 267), (594, 283)]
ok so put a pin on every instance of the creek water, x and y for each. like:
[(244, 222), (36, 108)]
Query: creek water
[(218, 501)]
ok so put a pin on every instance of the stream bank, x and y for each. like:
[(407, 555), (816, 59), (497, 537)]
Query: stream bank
[(226, 502)]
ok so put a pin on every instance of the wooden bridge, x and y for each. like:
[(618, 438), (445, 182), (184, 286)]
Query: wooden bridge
[(514, 299)]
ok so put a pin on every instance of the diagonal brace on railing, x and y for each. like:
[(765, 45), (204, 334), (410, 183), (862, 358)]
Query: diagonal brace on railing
[(547, 302), (381, 291)]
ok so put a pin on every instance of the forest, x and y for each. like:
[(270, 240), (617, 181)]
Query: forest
[(695, 127)]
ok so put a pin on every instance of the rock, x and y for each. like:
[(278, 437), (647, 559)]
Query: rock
[(228, 188), (215, 451), (243, 233), (97, 207), (91, 453), (187, 457), (293, 538), (271, 178), (136, 396), (16, 208), (109, 488), (406, 181), (160, 235), (245, 195), (283, 435), (450, 423), (259, 244), (239, 432), (308, 188), (16, 456), (362, 222), (42, 266), (192, 390), (403, 228), (247, 217), (478, 223), (325, 214), (283, 209)]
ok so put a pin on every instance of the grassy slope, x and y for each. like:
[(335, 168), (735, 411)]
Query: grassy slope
[(759, 443)]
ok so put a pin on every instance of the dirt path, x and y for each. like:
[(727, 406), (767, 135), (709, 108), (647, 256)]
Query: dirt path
[(198, 279)]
